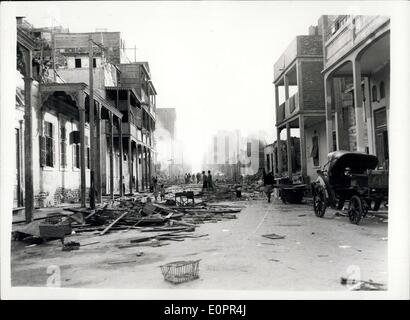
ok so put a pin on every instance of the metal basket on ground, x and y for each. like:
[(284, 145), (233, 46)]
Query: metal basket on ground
[(181, 271)]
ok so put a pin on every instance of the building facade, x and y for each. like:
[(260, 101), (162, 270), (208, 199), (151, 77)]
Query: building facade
[(357, 83), (70, 134), (299, 104)]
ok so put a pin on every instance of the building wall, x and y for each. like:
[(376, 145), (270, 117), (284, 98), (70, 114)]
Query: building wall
[(321, 133), (69, 43), (312, 91)]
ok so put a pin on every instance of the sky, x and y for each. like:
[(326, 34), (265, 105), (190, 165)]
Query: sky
[(212, 61)]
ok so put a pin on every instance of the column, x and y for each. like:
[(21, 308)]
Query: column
[(369, 116), (142, 169), (136, 168), (97, 164), (328, 106), (111, 155), (303, 160), (276, 101), (28, 149), (92, 149), (81, 107), (278, 150), (150, 166), (358, 102), (121, 156), (338, 114), (130, 163), (288, 149), (20, 165), (146, 168), (286, 82)]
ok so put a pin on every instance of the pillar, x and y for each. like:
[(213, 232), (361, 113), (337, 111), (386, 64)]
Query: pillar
[(136, 168), (358, 103), (130, 163), (288, 149), (303, 159), (81, 107), (286, 82), (279, 151), (276, 101), (111, 155), (28, 149), (340, 143), (369, 116), (142, 169), (328, 106), (98, 159), (121, 156)]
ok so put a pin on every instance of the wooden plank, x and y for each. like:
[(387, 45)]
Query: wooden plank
[(113, 223)]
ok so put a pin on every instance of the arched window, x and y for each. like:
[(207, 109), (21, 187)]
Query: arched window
[(382, 91), (374, 93)]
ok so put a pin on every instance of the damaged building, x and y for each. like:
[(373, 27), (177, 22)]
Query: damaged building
[(332, 91), (56, 157)]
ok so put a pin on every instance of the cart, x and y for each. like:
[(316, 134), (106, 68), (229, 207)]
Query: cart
[(350, 176), (289, 191)]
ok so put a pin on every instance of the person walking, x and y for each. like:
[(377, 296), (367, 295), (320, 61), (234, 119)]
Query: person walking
[(198, 177), (210, 182), (268, 181), (204, 182), (162, 192)]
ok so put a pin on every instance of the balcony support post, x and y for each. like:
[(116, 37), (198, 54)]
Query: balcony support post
[(289, 150), (358, 102), (328, 105)]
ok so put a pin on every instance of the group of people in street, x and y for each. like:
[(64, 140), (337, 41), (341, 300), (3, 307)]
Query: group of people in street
[(158, 190), (207, 182), (206, 179)]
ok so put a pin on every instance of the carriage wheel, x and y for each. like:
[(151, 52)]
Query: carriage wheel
[(319, 202), (355, 210), (282, 196), (377, 204)]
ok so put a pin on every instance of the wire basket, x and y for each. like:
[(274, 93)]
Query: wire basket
[(180, 271)]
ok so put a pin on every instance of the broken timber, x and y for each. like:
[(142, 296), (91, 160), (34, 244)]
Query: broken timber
[(113, 223)]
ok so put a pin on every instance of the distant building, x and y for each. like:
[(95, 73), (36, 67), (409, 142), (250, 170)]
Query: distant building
[(231, 155), (165, 136)]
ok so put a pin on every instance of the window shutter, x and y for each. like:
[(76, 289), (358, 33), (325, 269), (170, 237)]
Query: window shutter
[(42, 140)]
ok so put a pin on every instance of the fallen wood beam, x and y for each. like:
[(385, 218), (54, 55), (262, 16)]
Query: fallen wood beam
[(141, 239), (113, 223)]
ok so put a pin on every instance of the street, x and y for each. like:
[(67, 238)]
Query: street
[(314, 255)]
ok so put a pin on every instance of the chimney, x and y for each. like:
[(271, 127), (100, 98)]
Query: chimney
[(313, 31), (19, 20)]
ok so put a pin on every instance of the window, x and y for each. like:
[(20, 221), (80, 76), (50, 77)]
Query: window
[(94, 63), (374, 93), (63, 149), (382, 90), (47, 145), (78, 63)]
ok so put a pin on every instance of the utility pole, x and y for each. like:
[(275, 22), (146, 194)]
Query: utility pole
[(91, 114)]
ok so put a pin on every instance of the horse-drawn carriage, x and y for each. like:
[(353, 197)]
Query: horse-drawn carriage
[(350, 176)]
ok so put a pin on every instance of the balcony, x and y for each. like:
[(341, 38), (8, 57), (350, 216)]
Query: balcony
[(354, 31), (301, 46), (288, 108)]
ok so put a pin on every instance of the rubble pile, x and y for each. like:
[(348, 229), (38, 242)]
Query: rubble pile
[(168, 220)]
